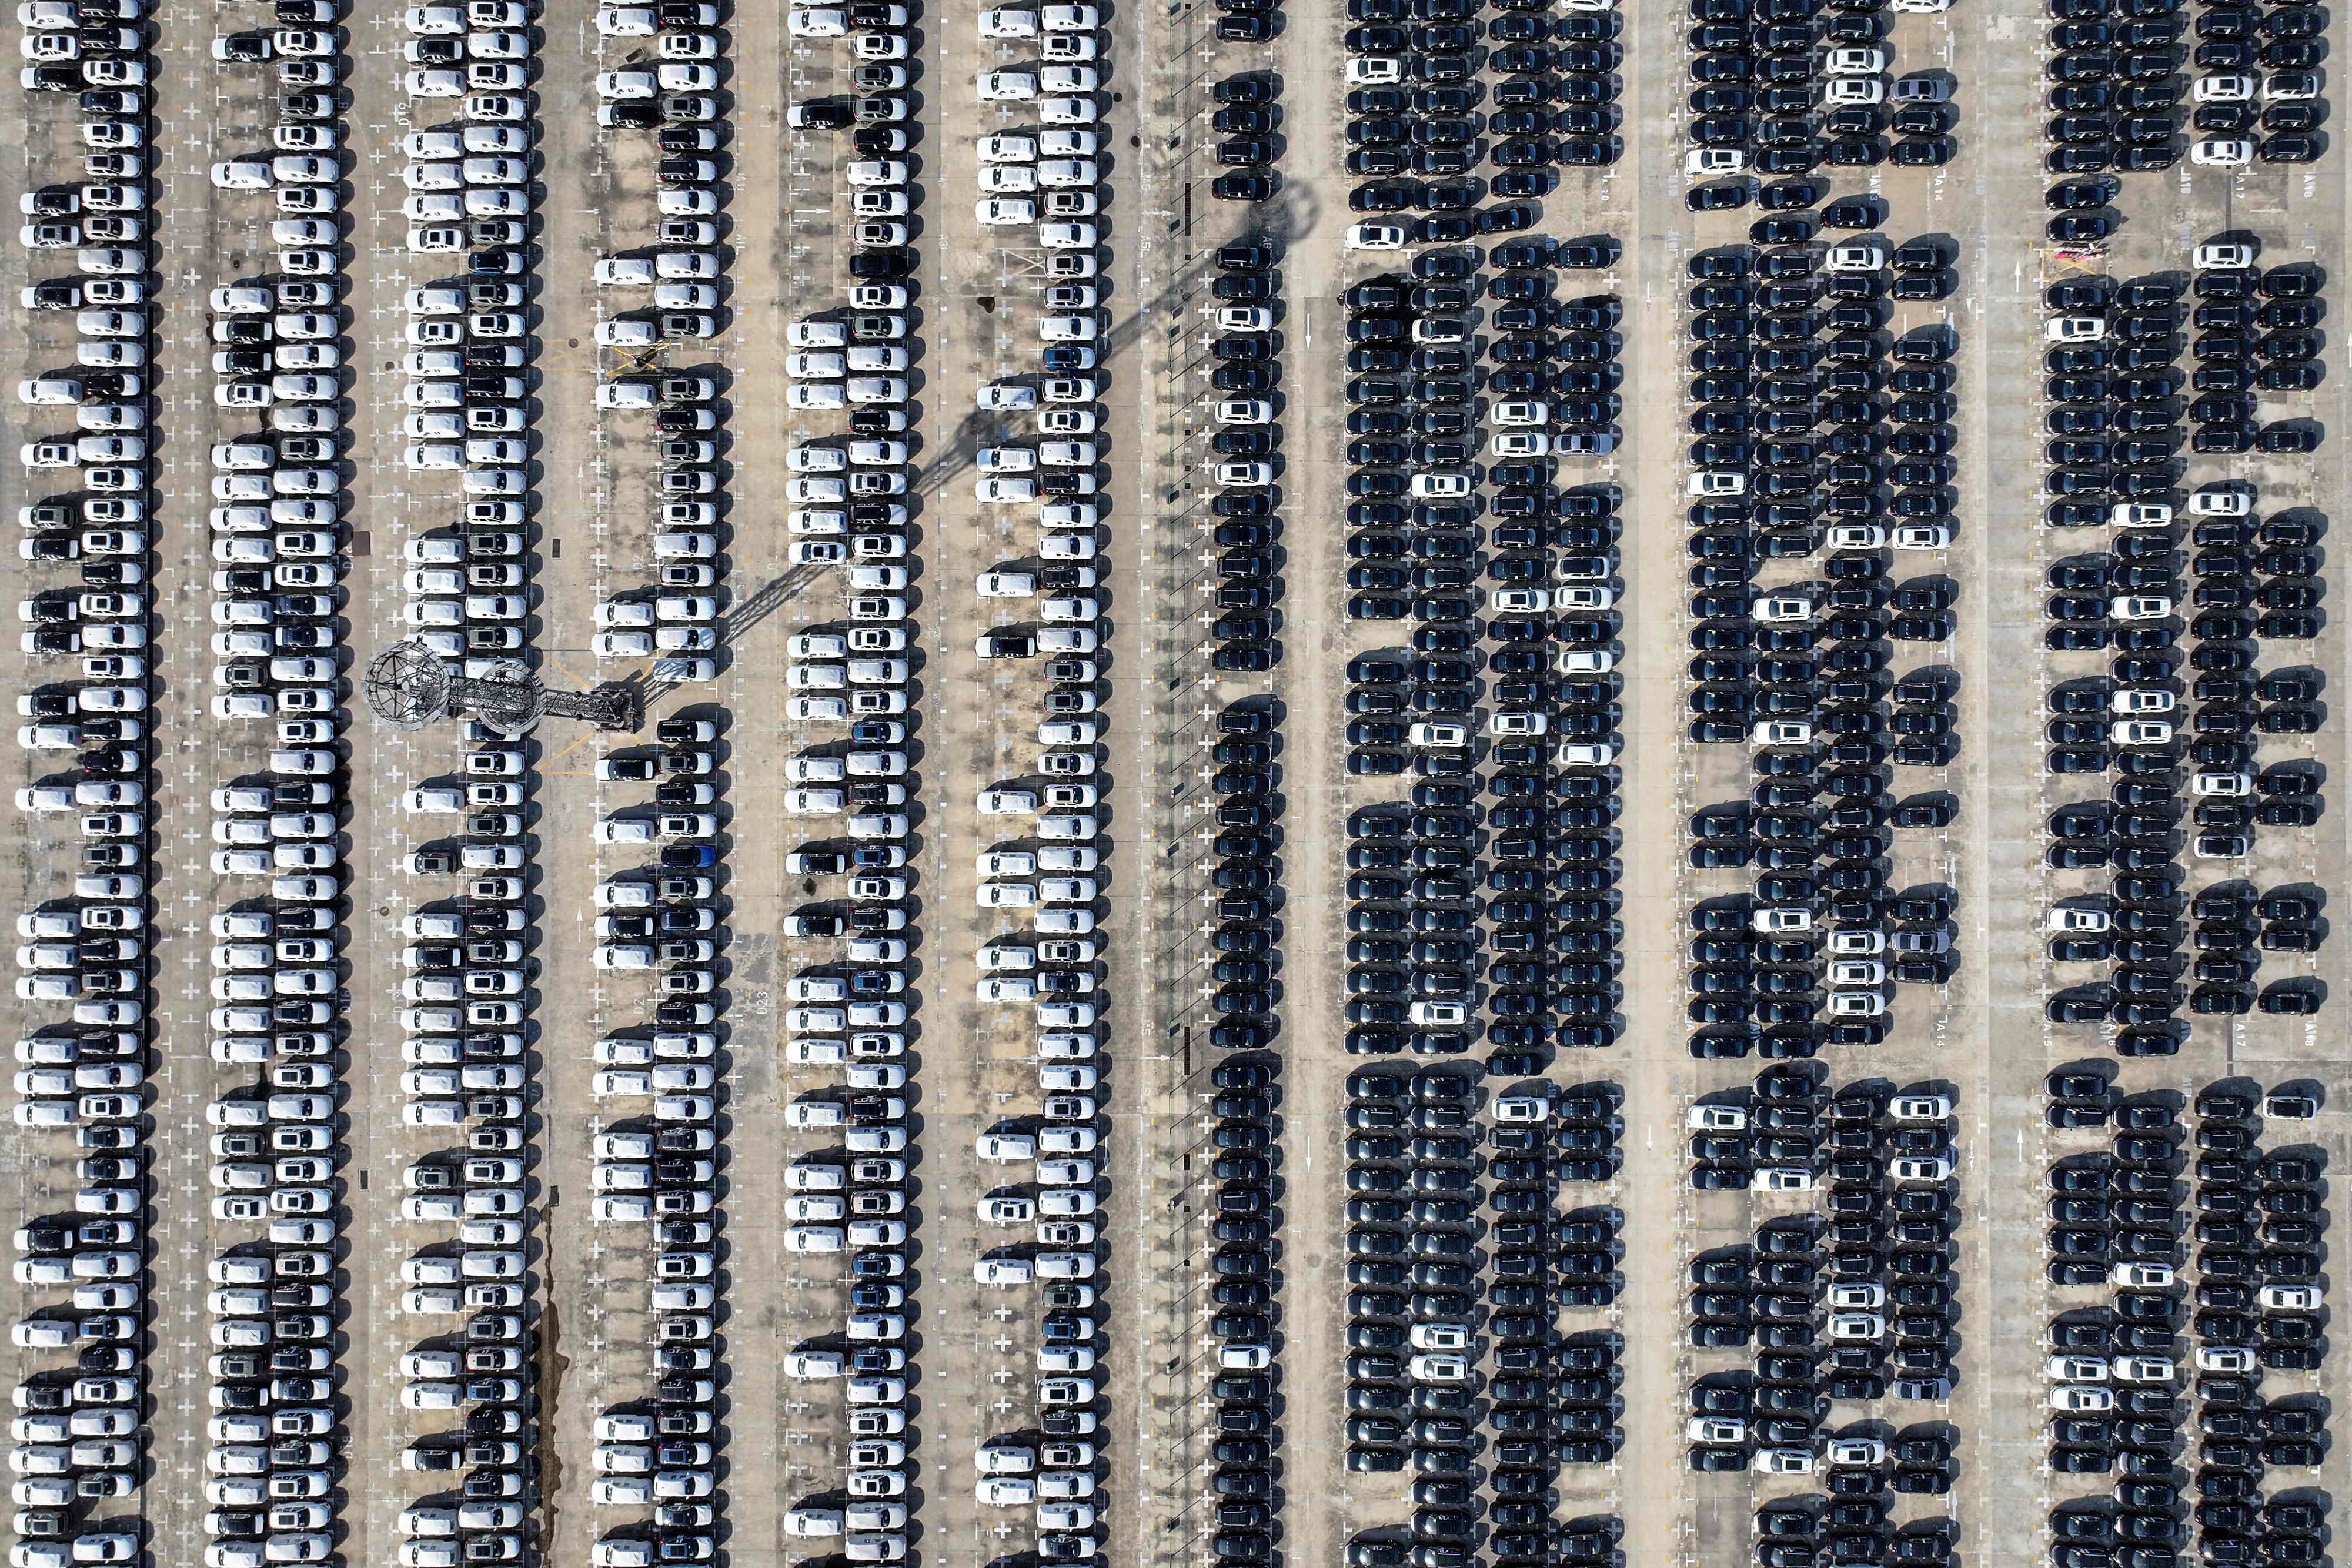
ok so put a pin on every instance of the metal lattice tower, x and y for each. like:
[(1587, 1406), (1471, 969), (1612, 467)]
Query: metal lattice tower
[(408, 686)]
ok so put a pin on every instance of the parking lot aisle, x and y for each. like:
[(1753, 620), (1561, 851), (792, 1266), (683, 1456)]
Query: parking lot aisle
[(383, 511), (1318, 1499), (962, 1401), (593, 1349), (387, 505), (377, 1147), (1990, 200), (1642, 207), (1171, 1516), (1184, 695), (763, 1456), (1137, 1115), (1165, 1305), (200, 107), (977, 1342)]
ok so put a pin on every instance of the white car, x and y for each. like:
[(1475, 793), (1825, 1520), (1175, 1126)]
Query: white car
[(1783, 1461), (2221, 152), (2290, 1298), (2220, 500)]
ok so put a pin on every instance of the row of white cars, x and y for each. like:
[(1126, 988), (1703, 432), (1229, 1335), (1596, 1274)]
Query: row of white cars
[(276, 523), (847, 1024), (466, 975), (680, 277), (99, 51), (276, 526), (467, 178), (848, 1200), (1042, 1222), (78, 1432), (467, 184), (660, 1170), (683, 276), (847, 684)]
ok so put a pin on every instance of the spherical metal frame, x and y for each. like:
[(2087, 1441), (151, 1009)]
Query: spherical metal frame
[(406, 686)]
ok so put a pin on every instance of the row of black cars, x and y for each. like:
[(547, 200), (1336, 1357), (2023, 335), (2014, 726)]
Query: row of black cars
[(2117, 395), (1421, 1257), (2255, 333), (1247, 1222), (1245, 878), (1540, 665), (1753, 973), (1415, 941), (1509, 735), (2116, 398), (1415, 97), (2257, 1220), (1804, 1532), (1247, 21), (1860, 1304), (2286, 1528), (1585, 1541), (2114, 96), (1245, 872), (1246, 119), (1246, 377), (1790, 337), (1800, 673), (2262, 1223), (2229, 929), (80, 1434), (2234, 926), (1415, 475), (1783, 83), (2115, 69), (1792, 377)]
